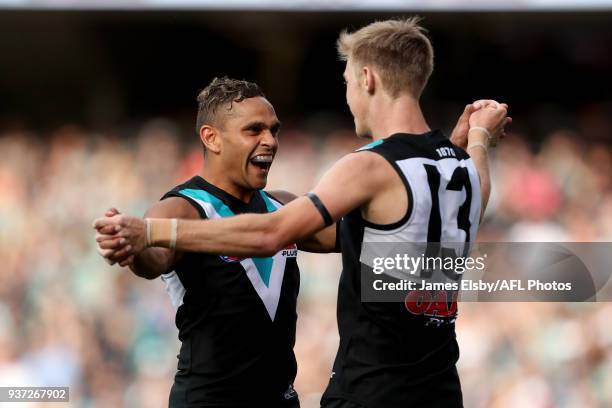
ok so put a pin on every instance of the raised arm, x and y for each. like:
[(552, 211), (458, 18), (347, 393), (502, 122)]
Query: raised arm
[(468, 134), (486, 126)]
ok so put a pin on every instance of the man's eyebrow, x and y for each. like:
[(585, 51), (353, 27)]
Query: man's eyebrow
[(254, 125), (261, 125)]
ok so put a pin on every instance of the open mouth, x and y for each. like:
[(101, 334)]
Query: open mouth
[(262, 161)]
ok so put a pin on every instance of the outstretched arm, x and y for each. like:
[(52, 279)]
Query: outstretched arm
[(150, 262), (350, 183), (324, 241)]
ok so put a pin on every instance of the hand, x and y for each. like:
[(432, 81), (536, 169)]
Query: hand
[(119, 237), (492, 118), (108, 245), (459, 136)]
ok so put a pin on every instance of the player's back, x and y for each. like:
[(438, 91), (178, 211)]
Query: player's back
[(392, 355)]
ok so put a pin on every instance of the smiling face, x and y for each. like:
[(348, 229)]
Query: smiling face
[(249, 140)]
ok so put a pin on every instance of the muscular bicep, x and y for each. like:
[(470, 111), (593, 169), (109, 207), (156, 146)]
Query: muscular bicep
[(350, 183)]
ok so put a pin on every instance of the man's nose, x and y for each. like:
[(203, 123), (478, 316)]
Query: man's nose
[(268, 139)]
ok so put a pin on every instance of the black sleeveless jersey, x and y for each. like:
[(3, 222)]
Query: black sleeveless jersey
[(390, 354), (236, 317)]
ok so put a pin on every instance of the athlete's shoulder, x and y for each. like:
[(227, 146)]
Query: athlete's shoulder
[(372, 146), (396, 147), (431, 145), (367, 165), (182, 196), (173, 207), (390, 149), (191, 184)]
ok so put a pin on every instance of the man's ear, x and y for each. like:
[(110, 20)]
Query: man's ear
[(211, 139), (368, 79)]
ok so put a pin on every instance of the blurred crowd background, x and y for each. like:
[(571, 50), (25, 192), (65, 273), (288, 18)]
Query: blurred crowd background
[(67, 318)]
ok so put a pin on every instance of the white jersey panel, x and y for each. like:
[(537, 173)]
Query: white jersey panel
[(450, 198)]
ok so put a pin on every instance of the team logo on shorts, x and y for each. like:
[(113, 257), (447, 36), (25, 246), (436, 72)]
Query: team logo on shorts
[(290, 251)]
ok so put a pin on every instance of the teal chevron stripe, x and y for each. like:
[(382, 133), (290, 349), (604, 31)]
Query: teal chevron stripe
[(220, 207), (269, 205), (371, 145), (263, 265)]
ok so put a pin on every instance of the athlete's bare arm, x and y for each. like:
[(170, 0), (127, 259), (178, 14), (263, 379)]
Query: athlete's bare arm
[(493, 119), (461, 136), (152, 262), (323, 241), (358, 180), (351, 183)]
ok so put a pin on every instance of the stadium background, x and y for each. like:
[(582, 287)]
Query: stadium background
[(97, 109)]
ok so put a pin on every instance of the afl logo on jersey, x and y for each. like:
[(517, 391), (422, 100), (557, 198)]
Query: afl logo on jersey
[(290, 251), (225, 258)]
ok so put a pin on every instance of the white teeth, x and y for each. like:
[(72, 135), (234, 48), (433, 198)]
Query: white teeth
[(262, 159)]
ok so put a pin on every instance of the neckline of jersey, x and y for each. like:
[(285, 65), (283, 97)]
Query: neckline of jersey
[(230, 200), (432, 134)]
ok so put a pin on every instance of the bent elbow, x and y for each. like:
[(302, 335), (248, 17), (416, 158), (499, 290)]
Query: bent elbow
[(145, 274)]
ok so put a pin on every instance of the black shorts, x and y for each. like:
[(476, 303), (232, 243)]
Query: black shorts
[(182, 396), (339, 403), (443, 391)]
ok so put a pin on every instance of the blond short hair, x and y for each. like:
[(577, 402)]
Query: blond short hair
[(398, 48)]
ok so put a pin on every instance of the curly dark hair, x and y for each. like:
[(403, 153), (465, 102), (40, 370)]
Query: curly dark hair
[(221, 92)]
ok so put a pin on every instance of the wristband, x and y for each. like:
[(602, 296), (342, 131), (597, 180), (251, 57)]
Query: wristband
[(148, 235), (173, 232), (491, 140), (478, 144), (161, 232)]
